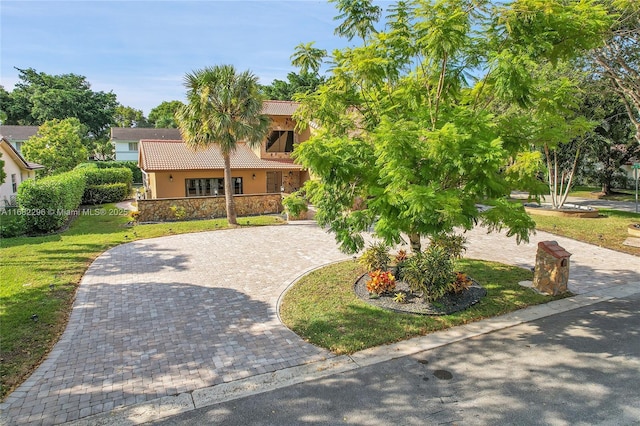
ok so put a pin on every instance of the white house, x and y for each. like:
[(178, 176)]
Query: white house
[(17, 135), (125, 139), (17, 170)]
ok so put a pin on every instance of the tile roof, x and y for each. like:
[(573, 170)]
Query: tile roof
[(17, 133), (279, 107), (135, 133), (157, 155), (27, 165)]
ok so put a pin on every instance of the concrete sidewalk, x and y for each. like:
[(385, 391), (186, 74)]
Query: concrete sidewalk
[(170, 324)]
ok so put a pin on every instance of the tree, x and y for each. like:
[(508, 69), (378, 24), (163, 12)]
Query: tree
[(296, 83), (125, 116), (358, 18), (223, 109), (58, 145), (164, 115), (619, 59), (40, 97), (406, 146), (308, 58)]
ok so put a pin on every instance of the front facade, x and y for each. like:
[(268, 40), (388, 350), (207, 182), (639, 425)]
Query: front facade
[(171, 170), (125, 140), (17, 170), (17, 135)]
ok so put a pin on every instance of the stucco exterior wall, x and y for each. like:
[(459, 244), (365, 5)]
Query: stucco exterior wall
[(123, 153), (208, 207), (11, 168)]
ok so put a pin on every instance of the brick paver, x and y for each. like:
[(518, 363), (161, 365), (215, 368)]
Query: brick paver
[(169, 315)]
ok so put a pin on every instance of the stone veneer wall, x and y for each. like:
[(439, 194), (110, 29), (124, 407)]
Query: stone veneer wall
[(551, 273), (159, 210)]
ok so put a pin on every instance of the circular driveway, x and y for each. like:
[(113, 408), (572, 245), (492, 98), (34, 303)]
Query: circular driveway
[(169, 315)]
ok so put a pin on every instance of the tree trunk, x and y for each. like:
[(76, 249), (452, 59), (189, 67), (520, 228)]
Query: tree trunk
[(414, 242), (228, 191)]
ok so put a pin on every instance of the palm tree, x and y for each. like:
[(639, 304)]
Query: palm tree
[(223, 108), (359, 17), (308, 57)]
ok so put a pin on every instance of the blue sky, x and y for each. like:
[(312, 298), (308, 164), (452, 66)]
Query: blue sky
[(141, 50)]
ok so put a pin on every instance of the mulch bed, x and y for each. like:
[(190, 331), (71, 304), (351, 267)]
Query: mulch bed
[(448, 304)]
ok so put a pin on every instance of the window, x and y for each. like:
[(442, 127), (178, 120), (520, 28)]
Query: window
[(14, 183), (280, 141), (133, 146), (208, 187), (18, 146)]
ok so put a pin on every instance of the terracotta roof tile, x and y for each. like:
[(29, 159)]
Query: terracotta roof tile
[(156, 155), (279, 107)]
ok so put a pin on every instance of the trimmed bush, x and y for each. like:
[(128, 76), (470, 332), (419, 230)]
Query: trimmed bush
[(45, 204), (11, 222), (108, 185), (107, 193), (131, 165)]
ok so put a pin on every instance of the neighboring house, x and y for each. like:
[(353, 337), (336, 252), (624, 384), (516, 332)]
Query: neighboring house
[(17, 170), (125, 139), (171, 170), (17, 135)]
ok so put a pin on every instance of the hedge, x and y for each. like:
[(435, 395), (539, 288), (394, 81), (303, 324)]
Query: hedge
[(107, 185), (131, 165), (46, 203), (106, 193)]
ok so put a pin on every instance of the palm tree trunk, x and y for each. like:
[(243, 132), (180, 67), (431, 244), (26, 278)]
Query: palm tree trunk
[(228, 191)]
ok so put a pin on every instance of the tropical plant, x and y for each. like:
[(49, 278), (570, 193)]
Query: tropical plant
[(454, 245), (376, 257), (380, 282), (429, 272), (223, 109), (308, 58), (294, 204), (461, 283)]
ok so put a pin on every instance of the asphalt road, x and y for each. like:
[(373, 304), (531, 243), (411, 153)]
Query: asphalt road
[(580, 367)]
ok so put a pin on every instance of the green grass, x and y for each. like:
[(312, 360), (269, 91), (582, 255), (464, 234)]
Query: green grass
[(595, 193), (323, 308), (40, 276), (609, 230)]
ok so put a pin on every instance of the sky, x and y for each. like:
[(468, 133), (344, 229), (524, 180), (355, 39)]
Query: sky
[(141, 50)]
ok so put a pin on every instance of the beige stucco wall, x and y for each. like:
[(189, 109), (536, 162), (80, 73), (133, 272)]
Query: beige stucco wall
[(11, 168)]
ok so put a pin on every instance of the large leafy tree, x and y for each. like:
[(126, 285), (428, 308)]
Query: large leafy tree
[(407, 145), (296, 83), (40, 97), (125, 116), (164, 115), (224, 108), (618, 60), (58, 145)]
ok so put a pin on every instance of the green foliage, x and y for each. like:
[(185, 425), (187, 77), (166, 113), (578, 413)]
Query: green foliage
[(452, 244), (58, 146), (400, 297), (430, 272), (106, 185), (46, 203), (294, 204), (11, 222), (164, 115), (308, 58), (296, 83), (125, 116), (375, 257), (3, 175), (131, 165), (39, 97), (407, 139)]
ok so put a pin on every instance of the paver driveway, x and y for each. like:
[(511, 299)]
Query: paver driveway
[(170, 315)]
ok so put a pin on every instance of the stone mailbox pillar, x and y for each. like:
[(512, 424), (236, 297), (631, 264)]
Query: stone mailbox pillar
[(551, 273)]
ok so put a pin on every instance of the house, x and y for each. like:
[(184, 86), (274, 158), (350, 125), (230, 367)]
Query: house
[(125, 139), (17, 170), (17, 135), (171, 170)]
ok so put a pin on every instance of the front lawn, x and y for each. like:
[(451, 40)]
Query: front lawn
[(609, 230), (40, 276), (323, 308)]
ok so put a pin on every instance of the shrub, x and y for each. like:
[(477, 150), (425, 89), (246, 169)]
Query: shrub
[(461, 283), (107, 193), (131, 165), (429, 272), (294, 204), (106, 185), (11, 223), (454, 245), (380, 282), (46, 203), (376, 257)]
